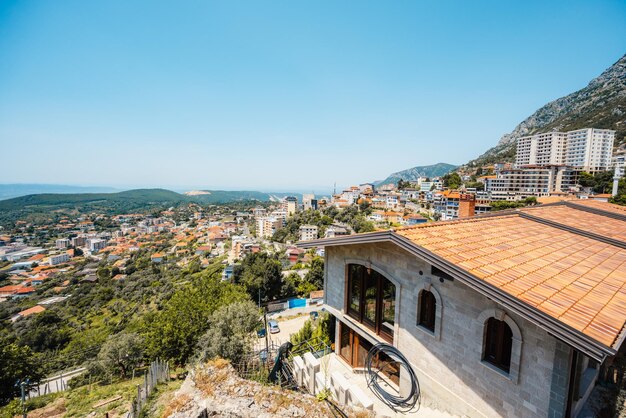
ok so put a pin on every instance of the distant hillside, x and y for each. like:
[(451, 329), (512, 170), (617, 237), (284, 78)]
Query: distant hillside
[(130, 198), (139, 196), (602, 104), (8, 191), (412, 174), (225, 196)]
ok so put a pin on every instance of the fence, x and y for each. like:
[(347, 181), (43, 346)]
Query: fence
[(281, 305), (158, 372), (58, 383)]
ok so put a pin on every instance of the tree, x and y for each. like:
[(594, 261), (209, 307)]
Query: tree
[(260, 272), (230, 332), (44, 331), (17, 363), (452, 180), (319, 329), (315, 275), (121, 353), (586, 179), (173, 332), (403, 184)]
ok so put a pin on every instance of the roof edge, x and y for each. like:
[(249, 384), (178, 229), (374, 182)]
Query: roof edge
[(557, 328)]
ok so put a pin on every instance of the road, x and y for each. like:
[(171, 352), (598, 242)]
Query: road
[(53, 384), (290, 321)]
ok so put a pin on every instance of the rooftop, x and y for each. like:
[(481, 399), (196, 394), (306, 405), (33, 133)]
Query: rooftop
[(564, 261)]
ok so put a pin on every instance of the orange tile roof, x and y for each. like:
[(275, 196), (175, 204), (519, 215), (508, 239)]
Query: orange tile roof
[(553, 198), (576, 279), (596, 204), (585, 221), (34, 310)]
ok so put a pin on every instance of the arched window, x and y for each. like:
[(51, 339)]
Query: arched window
[(428, 308), (371, 300), (498, 344)]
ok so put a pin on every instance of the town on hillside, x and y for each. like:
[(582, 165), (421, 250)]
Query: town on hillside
[(347, 209), (78, 287)]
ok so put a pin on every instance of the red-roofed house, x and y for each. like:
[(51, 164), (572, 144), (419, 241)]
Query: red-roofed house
[(27, 312)]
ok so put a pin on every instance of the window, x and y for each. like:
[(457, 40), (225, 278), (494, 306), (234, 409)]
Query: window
[(498, 344), (428, 308), (371, 300)]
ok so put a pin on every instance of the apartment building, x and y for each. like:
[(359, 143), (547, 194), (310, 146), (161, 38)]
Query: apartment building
[(59, 259), (290, 205), (95, 244), (308, 232), (62, 243), (587, 149), (519, 183), (452, 204), (307, 201), (542, 149), (590, 149), (78, 241), (267, 225)]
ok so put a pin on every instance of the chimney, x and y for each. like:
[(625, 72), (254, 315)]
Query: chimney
[(467, 205)]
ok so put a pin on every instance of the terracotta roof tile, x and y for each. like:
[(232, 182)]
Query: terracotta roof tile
[(574, 278), (596, 204), (586, 221)]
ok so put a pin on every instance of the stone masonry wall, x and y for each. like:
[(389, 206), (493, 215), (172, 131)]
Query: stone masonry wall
[(448, 365)]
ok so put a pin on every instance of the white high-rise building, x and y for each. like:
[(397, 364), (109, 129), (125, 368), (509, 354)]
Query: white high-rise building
[(290, 205), (586, 149), (590, 149), (307, 198), (541, 149)]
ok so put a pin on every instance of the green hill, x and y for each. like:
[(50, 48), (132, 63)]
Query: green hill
[(139, 196), (412, 174), (226, 196)]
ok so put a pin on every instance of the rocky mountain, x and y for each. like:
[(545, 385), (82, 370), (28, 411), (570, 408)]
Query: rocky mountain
[(601, 104), (414, 173)]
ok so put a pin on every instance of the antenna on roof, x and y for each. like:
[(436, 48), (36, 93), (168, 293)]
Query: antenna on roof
[(335, 189)]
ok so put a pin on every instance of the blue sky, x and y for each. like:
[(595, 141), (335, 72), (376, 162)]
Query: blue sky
[(280, 95)]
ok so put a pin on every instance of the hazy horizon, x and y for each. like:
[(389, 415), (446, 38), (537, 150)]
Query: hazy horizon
[(280, 96)]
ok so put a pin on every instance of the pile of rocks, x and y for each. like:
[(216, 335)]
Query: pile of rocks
[(215, 390)]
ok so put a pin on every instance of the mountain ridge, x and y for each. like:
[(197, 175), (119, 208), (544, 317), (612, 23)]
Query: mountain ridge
[(600, 104), (137, 196), (412, 174)]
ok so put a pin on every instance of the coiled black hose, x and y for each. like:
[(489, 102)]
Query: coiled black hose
[(395, 402)]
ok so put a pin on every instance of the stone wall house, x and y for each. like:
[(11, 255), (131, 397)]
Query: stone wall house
[(506, 315)]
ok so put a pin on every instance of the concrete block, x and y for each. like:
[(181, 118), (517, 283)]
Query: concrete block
[(320, 382), (298, 368), (312, 368), (357, 397), (339, 387)]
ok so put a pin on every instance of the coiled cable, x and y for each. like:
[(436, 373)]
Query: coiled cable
[(376, 375)]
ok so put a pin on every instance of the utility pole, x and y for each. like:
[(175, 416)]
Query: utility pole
[(267, 345), (23, 384)]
